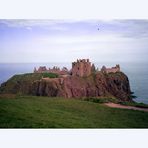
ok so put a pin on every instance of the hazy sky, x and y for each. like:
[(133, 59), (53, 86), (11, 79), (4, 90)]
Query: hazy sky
[(68, 40)]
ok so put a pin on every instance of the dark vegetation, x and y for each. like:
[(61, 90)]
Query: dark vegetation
[(102, 99)]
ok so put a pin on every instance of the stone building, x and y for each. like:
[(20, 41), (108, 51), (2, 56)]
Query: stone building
[(109, 70), (81, 68)]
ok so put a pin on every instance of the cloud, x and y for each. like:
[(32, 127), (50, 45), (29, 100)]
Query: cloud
[(25, 23), (37, 40), (34, 22), (123, 28), (82, 39), (29, 28), (131, 28)]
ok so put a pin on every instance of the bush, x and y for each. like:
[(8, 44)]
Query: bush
[(101, 100)]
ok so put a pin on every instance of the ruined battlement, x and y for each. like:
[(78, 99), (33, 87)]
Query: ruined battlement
[(111, 70), (80, 61), (40, 69), (55, 69)]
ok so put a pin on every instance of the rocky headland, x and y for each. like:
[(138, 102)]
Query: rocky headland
[(82, 81)]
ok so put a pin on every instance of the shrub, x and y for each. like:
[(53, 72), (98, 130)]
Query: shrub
[(101, 100)]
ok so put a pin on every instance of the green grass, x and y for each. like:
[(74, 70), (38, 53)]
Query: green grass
[(31, 77), (44, 112), (49, 75)]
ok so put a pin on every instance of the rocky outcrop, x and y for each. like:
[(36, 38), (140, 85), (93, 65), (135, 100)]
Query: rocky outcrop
[(95, 85)]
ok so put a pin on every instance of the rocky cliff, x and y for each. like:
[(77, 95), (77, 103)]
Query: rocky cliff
[(95, 85)]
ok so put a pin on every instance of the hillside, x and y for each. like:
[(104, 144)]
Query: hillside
[(45, 112), (46, 84), (20, 84)]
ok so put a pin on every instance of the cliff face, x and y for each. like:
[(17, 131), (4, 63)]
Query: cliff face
[(100, 84)]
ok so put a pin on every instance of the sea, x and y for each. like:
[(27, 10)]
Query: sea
[(136, 72)]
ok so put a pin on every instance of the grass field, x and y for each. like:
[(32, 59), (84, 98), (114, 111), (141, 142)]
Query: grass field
[(45, 112)]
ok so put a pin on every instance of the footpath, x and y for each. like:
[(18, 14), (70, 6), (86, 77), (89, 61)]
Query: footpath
[(114, 105)]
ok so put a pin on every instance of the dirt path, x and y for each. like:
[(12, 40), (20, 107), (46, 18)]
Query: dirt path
[(113, 105)]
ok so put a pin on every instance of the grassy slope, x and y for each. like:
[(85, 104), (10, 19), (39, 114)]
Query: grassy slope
[(31, 76), (37, 112)]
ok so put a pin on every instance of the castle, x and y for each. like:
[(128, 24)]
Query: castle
[(81, 67)]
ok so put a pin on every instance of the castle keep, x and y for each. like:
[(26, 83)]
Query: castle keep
[(81, 68)]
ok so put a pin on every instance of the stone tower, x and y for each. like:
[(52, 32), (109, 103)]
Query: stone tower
[(81, 68)]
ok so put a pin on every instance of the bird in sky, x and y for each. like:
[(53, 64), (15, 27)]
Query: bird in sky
[(98, 29)]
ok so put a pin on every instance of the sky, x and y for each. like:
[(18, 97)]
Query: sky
[(44, 41)]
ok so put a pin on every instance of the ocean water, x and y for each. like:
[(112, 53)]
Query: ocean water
[(136, 72)]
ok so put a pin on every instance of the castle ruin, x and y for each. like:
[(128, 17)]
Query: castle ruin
[(55, 69), (111, 70), (81, 68)]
